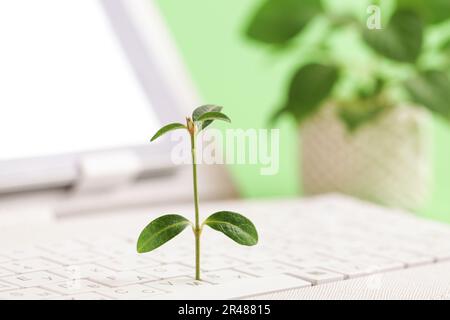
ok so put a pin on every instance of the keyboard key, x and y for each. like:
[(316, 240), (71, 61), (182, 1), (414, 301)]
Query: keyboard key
[(29, 265), (128, 263), (28, 294), (171, 285), (441, 254), (6, 286), (224, 276), (317, 276), (82, 271), (4, 272), (19, 254), (377, 263), (78, 257), (251, 256), (105, 242), (84, 296), (34, 279), (175, 256), (349, 270), (64, 247), (119, 251), (267, 268), (311, 260), (71, 287), (408, 258), (124, 278), (217, 263), (168, 271), (133, 292)]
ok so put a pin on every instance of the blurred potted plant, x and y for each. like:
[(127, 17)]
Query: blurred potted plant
[(369, 74)]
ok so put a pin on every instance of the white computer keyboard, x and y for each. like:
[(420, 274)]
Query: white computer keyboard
[(302, 244)]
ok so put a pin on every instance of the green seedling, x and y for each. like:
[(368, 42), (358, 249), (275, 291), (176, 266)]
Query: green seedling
[(232, 224)]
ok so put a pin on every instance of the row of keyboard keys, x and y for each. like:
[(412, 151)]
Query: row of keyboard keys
[(29, 265), (4, 286), (82, 271), (33, 279), (20, 254), (4, 272), (317, 275), (28, 294), (72, 287), (171, 285), (310, 274), (123, 278), (224, 276), (132, 292), (217, 263), (168, 271), (131, 262), (265, 269), (62, 247), (84, 296)]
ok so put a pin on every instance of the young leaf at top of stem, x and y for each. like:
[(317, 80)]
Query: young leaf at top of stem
[(167, 128), (198, 112), (161, 230), (235, 226), (214, 115)]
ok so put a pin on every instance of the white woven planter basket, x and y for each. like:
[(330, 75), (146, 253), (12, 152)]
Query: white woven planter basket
[(386, 161)]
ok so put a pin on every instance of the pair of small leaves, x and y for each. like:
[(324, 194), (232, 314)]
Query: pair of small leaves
[(203, 116), (232, 224)]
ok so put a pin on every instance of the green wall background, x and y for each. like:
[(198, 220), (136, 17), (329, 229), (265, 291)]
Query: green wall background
[(249, 81)]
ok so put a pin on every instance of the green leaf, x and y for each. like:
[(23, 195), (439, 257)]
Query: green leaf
[(161, 230), (198, 112), (431, 89), (446, 45), (214, 116), (309, 87), (278, 21), (400, 40), (167, 128), (432, 11), (235, 226), (202, 110)]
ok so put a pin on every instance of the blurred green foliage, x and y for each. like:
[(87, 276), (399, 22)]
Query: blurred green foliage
[(391, 68)]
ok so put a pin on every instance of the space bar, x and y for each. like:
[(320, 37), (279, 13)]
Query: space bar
[(238, 289)]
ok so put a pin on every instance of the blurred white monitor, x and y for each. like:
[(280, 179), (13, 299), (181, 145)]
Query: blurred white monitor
[(81, 77), (66, 83)]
